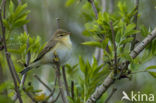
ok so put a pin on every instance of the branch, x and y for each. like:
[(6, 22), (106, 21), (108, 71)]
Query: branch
[(53, 101), (64, 99), (52, 93), (143, 44), (7, 54), (94, 8), (43, 83), (58, 23), (72, 89), (111, 94), (65, 80), (135, 21), (109, 79), (101, 89)]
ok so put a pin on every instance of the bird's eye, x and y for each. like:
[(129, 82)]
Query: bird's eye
[(61, 35)]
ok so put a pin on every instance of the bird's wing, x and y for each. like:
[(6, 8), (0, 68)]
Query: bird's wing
[(46, 49)]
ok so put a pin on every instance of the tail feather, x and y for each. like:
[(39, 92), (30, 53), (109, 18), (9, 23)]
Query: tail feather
[(25, 70), (33, 65)]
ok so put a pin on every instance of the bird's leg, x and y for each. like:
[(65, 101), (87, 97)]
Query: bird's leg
[(56, 58)]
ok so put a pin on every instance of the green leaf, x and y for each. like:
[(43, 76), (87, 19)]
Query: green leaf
[(151, 67), (132, 32), (86, 33), (127, 40), (92, 43), (82, 64), (153, 74), (19, 9), (69, 2), (11, 7), (129, 28), (6, 24)]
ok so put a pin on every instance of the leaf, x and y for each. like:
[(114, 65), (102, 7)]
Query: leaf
[(92, 43), (40, 97), (6, 24), (151, 67), (129, 28), (126, 40), (82, 64), (69, 2), (11, 7), (132, 32), (86, 33), (153, 74)]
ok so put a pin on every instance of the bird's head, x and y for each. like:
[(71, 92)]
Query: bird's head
[(61, 34)]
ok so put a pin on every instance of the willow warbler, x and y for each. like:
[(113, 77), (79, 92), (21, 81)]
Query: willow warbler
[(59, 44)]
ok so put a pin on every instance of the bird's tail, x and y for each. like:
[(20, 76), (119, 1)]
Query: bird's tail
[(33, 65)]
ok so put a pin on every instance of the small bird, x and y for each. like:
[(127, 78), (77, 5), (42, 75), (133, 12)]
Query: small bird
[(59, 44)]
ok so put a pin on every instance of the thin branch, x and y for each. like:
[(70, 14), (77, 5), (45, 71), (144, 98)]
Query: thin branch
[(109, 79), (7, 54), (55, 100), (58, 23), (94, 8), (65, 80), (135, 21), (72, 89), (53, 91), (111, 94), (115, 49), (64, 99), (43, 83), (29, 95), (15, 73)]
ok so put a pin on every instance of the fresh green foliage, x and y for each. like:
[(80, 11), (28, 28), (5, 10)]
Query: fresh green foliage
[(90, 76), (16, 16)]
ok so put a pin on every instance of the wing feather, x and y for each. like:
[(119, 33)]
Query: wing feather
[(46, 49)]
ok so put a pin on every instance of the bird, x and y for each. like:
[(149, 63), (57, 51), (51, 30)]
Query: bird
[(59, 44)]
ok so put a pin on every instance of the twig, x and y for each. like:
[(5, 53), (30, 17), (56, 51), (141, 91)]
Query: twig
[(7, 54), (53, 101), (94, 8), (43, 83), (64, 99), (29, 95), (72, 89), (58, 23), (109, 79), (65, 80), (135, 21), (53, 91), (111, 94), (15, 73), (115, 49)]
